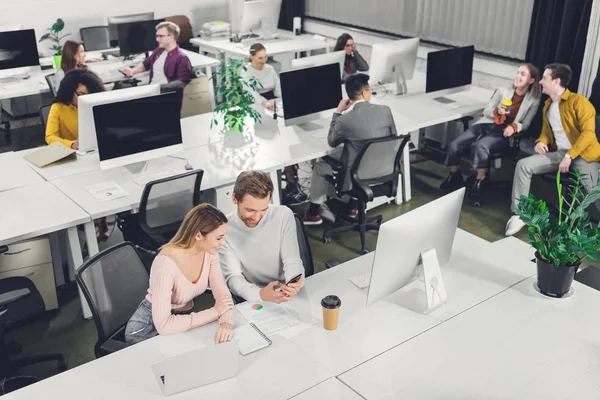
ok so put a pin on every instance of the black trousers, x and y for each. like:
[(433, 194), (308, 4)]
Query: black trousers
[(481, 139)]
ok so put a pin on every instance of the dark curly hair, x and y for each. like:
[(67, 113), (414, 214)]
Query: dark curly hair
[(72, 80)]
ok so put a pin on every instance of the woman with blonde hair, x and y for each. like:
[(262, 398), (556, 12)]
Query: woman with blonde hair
[(183, 270)]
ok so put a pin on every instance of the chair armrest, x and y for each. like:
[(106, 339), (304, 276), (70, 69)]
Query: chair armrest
[(335, 164), (12, 296), (111, 346), (331, 263)]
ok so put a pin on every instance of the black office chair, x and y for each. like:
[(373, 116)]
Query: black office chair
[(95, 38), (20, 304), (114, 282), (163, 206), (373, 174)]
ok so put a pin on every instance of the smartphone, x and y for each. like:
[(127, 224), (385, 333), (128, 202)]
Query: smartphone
[(293, 280)]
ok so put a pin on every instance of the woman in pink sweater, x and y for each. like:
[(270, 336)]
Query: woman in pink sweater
[(182, 271)]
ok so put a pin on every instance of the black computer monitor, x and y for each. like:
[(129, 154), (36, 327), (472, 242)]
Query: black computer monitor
[(306, 92), (138, 130), (18, 49), (447, 69), (137, 37)]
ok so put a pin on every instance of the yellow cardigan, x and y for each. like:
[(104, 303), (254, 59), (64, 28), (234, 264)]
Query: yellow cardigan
[(578, 118), (62, 125)]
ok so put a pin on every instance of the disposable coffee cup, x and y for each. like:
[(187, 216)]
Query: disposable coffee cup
[(331, 310), (506, 104)]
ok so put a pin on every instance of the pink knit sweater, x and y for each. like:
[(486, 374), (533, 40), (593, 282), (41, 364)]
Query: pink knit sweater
[(171, 291)]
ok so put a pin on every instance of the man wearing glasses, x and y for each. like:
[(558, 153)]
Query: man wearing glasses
[(168, 64)]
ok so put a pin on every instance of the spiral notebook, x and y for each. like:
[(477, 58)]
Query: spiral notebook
[(251, 339)]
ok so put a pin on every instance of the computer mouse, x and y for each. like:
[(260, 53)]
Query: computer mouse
[(26, 77)]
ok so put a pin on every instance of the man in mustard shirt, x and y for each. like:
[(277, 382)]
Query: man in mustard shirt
[(568, 139)]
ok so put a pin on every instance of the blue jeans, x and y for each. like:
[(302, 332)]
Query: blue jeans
[(141, 326)]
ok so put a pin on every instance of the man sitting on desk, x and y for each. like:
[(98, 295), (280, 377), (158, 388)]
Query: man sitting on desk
[(261, 250), (354, 121), (168, 64)]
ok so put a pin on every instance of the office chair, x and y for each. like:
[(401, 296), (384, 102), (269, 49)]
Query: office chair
[(186, 33), (163, 206), (95, 38), (114, 282), (52, 84), (20, 304), (44, 112), (373, 174)]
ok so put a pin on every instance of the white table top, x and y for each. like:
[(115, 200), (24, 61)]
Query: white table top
[(35, 84), (331, 389), (517, 345), (16, 172), (36, 210)]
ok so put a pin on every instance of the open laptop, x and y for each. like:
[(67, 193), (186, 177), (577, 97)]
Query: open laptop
[(197, 368)]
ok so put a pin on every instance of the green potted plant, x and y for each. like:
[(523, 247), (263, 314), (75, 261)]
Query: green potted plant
[(237, 99), (54, 36), (561, 241)]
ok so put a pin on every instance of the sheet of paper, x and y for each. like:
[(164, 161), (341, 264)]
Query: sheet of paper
[(273, 318), (106, 191)]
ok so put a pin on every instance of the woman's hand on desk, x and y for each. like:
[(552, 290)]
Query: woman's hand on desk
[(224, 333), (75, 145), (267, 105)]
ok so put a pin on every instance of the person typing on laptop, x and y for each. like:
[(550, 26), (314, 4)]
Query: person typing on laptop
[(183, 270), (261, 253)]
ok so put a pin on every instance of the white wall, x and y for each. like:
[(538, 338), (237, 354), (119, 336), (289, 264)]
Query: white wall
[(41, 14)]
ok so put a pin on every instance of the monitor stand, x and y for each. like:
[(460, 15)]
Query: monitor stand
[(435, 290), (137, 168), (310, 126), (400, 80)]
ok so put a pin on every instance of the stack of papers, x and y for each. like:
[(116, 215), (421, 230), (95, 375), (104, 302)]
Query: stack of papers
[(280, 319)]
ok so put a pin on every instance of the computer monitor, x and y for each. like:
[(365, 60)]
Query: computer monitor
[(137, 37), (122, 19), (85, 104), (308, 92), (138, 130), (422, 236), (321, 59), (394, 62), (260, 15), (18, 52), (447, 69)]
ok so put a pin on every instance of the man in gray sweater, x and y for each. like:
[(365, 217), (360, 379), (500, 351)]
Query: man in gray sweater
[(261, 250)]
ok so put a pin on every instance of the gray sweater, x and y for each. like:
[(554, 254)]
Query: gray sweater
[(253, 257)]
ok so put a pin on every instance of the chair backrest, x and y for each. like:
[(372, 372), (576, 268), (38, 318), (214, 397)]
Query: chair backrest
[(113, 282), (598, 127), (52, 84), (379, 160), (184, 25), (95, 38), (165, 202), (304, 246), (44, 112)]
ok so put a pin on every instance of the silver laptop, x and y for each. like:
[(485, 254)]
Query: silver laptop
[(197, 368)]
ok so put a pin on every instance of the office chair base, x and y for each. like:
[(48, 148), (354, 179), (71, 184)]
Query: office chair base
[(345, 223)]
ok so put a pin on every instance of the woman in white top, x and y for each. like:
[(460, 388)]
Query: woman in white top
[(269, 87)]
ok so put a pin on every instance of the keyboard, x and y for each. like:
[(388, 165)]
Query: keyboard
[(444, 100), (361, 281), (145, 178)]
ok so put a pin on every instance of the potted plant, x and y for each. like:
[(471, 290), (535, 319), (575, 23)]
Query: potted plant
[(561, 241), (237, 99), (54, 36)]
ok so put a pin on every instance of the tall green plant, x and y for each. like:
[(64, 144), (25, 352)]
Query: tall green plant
[(54, 36), (237, 98), (570, 237)]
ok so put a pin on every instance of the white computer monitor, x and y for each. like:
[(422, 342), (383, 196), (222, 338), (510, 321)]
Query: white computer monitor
[(394, 62), (260, 15), (321, 59), (423, 236), (87, 129), (138, 130)]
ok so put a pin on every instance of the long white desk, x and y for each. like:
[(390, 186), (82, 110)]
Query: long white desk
[(16, 172), (517, 345), (331, 389)]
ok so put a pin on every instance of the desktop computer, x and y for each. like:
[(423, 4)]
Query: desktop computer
[(260, 16), (308, 93), (18, 53), (424, 237), (448, 69), (87, 129), (114, 21), (394, 62), (321, 59), (138, 130), (137, 37)]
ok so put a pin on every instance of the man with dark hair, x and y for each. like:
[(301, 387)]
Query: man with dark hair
[(354, 121), (261, 251), (568, 137)]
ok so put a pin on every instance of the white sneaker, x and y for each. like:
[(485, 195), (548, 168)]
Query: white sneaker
[(514, 225)]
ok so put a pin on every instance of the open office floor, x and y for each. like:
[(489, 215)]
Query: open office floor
[(67, 332)]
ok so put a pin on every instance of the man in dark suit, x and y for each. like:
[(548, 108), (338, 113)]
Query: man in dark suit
[(354, 121)]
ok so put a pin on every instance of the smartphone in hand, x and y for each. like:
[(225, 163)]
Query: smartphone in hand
[(295, 279)]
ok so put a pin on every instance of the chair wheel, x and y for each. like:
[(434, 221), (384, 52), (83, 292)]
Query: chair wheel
[(477, 204), (364, 251), (326, 239), (62, 365)]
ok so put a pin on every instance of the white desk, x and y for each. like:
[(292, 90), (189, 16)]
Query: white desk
[(16, 172), (35, 84), (517, 345), (331, 389)]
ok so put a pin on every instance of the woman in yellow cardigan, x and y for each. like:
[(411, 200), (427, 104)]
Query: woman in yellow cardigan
[(62, 124)]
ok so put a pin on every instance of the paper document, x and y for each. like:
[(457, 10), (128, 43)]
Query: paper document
[(250, 339), (273, 318), (106, 191), (50, 154)]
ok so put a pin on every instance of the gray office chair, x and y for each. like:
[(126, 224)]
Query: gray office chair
[(52, 84), (373, 174), (44, 112), (114, 282), (95, 38)]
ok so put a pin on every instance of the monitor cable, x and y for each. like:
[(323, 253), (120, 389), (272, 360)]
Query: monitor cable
[(435, 291)]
